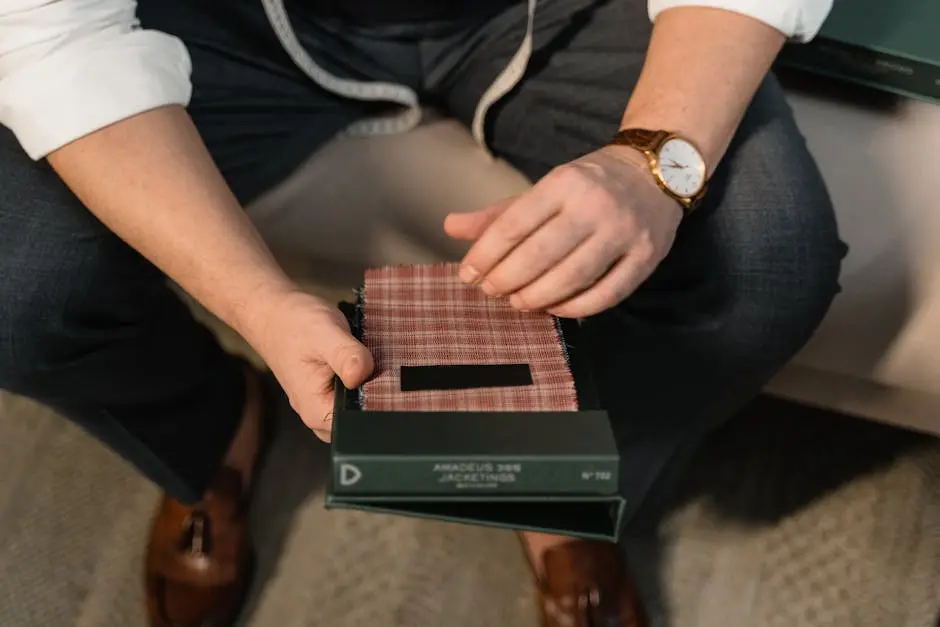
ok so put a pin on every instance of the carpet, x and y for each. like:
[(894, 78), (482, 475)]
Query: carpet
[(789, 516)]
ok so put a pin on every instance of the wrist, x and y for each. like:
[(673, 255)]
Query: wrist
[(254, 307), (628, 156), (710, 140), (671, 161), (702, 69)]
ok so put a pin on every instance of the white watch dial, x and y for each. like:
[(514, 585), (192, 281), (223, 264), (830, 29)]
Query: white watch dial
[(682, 167)]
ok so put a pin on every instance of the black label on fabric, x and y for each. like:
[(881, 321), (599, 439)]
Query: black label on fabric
[(464, 376)]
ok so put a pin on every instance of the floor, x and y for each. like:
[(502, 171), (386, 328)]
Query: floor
[(789, 517)]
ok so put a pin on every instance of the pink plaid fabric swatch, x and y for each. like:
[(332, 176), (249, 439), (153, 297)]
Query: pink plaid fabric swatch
[(423, 315)]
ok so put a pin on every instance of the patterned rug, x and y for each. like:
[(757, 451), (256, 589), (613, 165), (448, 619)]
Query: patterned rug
[(790, 517)]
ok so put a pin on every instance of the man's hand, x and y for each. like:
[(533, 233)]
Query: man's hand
[(579, 242), (171, 204), (305, 341)]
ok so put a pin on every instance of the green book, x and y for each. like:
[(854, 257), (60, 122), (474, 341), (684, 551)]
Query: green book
[(892, 46), (556, 472), (460, 453)]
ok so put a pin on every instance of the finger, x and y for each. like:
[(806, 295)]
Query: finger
[(320, 423), (344, 354), (571, 276), (529, 212), (312, 395), (536, 255), (469, 226), (612, 289), (324, 429)]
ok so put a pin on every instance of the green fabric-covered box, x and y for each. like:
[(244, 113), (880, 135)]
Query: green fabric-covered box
[(892, 45)]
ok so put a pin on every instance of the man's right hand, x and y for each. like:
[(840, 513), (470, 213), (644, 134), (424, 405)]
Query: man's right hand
[(305, 341), (171, 204)]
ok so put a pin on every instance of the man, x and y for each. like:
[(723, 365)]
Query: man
[(690, 300)]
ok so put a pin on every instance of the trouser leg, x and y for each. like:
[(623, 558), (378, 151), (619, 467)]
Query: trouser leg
[(91, 328)]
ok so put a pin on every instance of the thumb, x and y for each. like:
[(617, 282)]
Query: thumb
[(344, 354), (470, 226)]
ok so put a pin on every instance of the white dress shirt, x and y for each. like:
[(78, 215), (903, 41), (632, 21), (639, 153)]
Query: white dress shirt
[(71, 67)]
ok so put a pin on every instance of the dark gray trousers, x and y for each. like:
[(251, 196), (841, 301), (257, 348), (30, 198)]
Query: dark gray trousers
[(90, 328)]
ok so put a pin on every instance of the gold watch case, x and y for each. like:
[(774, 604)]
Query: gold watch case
[(650, 142)]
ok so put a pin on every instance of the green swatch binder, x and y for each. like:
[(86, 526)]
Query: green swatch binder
[(891, 45), (556, 472)]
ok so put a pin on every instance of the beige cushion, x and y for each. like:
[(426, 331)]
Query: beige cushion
[(877, 353), (883, 170)]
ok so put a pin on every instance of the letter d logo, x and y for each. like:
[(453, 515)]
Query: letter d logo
[(349, 474)]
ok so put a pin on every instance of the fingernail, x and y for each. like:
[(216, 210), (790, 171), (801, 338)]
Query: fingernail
[(516, 303), (469, 274)]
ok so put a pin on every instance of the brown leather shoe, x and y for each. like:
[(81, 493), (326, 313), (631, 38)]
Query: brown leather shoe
[(587, 584), (200, 561)]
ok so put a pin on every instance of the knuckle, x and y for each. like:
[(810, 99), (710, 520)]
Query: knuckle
[(342, 360), (339, 354), (567, 176), (605, 297), (497, 283), (578, 221), (584, 272), (599, 198), (511, 227), (643, 255), (644, 250), (627, 222), (612, 248)]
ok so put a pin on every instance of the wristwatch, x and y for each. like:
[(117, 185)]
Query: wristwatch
[(675, 163)]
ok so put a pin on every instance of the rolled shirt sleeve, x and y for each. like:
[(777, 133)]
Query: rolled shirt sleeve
[(799, 20), (71, 67)]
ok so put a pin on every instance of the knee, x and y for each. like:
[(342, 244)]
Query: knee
[(778, 300), (780, 243), (768, 302)]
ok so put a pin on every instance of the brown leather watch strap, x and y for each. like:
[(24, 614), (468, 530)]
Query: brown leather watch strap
[(639, 138)]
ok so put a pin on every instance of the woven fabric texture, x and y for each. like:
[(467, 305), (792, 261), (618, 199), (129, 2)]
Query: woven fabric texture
[(423, 315)]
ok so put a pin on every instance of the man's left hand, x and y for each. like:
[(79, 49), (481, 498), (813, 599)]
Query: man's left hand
[(578, 243)]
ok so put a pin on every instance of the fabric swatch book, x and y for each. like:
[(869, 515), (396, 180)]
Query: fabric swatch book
[(476, 412)]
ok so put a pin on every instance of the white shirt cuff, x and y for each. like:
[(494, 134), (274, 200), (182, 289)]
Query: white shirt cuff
[(799, 20), (92, 84)]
